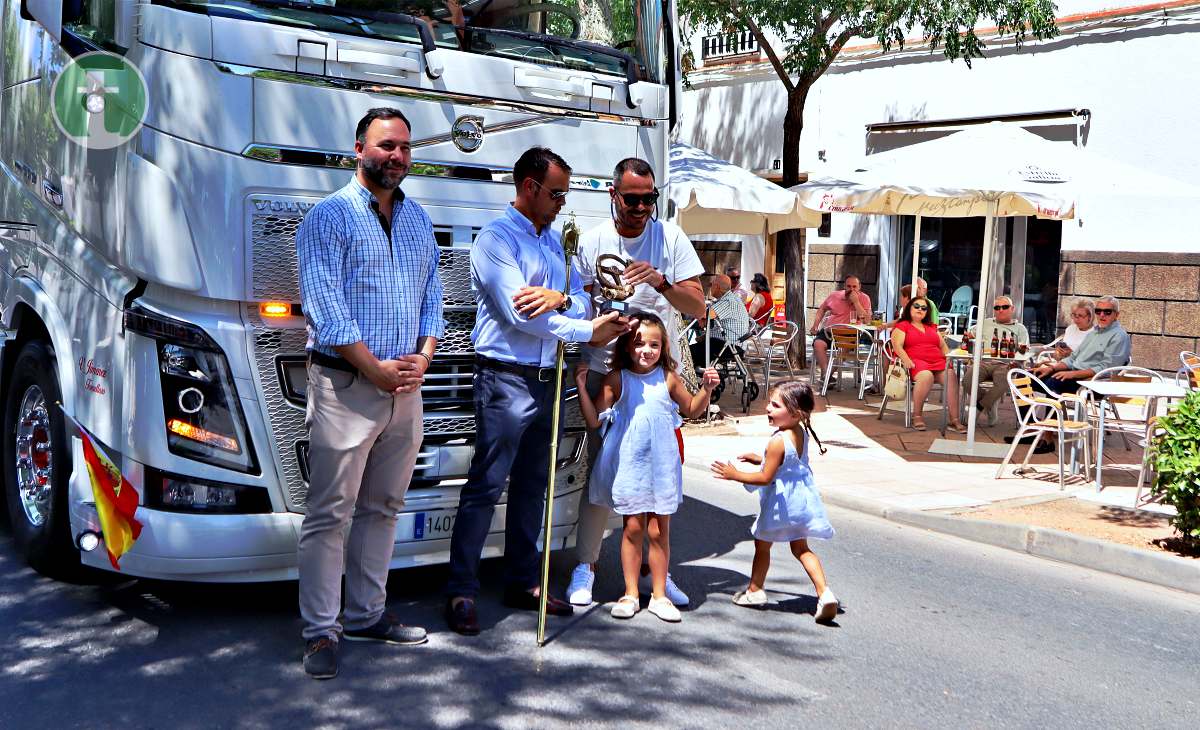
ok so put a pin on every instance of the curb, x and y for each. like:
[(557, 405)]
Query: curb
[(1159, 569)]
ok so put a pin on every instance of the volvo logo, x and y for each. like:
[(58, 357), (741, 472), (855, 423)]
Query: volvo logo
[(467, 133)]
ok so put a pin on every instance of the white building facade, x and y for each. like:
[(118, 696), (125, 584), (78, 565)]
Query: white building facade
[(1119, 81)]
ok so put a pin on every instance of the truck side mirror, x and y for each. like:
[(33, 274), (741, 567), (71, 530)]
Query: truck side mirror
[(48, 14)]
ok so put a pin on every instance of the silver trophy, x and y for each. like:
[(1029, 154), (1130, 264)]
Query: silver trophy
[(612, 289)]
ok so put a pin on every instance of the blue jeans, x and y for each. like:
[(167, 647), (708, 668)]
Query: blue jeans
[(512, 426)]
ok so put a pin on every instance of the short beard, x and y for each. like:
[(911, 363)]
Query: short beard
[(375, 173)]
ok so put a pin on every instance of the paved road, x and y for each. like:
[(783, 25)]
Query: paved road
[(936, 632)]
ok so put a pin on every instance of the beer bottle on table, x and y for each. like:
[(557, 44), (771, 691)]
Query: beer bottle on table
[(995, 348)]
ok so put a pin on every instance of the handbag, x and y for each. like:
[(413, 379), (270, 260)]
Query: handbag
[(897, 382)]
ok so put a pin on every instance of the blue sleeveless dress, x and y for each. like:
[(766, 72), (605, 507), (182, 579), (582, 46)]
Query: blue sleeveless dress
[(638, 468), (789, 508)]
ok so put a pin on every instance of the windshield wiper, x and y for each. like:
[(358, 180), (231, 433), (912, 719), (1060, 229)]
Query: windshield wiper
[(628, 63), (428, 46)]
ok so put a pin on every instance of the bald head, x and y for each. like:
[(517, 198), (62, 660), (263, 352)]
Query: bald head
[(720, 284)]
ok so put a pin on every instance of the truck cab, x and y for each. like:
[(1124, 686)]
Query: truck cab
[(148, 281)]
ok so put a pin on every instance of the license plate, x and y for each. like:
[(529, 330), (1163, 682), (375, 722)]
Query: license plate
[(433, 525)]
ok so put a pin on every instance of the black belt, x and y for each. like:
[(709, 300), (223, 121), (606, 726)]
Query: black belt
[(542, 375), (329, 361)]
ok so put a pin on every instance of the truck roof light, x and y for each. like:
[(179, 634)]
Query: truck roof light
[(195, 433)]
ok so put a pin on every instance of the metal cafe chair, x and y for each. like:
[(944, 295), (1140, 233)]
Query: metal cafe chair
[(1125, 414), (1147, 467), (1188, 374), (770, 347), (1045, 413), (846, 352)]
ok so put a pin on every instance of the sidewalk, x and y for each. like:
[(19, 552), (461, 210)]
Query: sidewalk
[(881, 467)]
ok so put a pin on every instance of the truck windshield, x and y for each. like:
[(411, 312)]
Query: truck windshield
[(588, 35)]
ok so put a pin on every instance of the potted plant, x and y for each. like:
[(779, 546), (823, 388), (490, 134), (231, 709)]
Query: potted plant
[(1176, 458)]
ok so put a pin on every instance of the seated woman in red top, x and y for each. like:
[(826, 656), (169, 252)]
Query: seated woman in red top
[(922, 350), (761, 304)]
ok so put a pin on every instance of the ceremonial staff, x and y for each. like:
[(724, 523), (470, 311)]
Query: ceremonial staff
[(570, 244)]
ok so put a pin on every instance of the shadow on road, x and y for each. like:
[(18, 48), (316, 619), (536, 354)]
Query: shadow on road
[(141, 653)]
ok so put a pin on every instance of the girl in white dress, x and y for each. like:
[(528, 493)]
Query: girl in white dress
[(790, 508), (638, 473)]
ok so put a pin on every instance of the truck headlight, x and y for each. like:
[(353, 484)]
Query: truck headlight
[(203, 418)]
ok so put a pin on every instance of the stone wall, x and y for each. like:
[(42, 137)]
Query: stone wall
[(829, 264), (1159, 295)]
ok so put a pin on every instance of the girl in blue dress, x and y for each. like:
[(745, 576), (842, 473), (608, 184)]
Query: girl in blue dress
[(790, 509), (638, 473)]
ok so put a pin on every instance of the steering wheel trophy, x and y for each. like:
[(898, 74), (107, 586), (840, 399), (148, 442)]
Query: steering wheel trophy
[(613, 291)]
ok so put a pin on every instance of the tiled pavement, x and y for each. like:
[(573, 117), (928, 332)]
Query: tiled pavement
[(880, 459)]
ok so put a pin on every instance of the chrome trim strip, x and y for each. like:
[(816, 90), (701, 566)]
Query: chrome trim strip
[(441, 97), (424, 168), (487, 129)]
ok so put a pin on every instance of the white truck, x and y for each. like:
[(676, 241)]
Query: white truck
[(148, 282)]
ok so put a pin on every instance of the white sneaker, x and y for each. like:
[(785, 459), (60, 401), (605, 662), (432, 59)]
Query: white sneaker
[(827, 606), (625, 607), (993, 414), (677, 596), (750, 598), (664, 609), (579, 592)]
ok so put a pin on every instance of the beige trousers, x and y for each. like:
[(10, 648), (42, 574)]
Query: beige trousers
[(992, 370), (363, 444)]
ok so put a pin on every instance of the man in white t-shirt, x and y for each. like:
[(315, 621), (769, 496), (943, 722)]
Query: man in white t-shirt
[(666, 272)]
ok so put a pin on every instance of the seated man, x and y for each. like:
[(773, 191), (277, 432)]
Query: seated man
[(1002, 325), (850, 305), (730, 311)]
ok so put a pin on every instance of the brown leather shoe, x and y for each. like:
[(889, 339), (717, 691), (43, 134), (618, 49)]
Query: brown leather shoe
[(461, 617), (526, 601)]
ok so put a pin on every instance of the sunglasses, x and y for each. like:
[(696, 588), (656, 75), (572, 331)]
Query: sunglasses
[(554, 194), (633, 199), (921, 307), (1001, 307), (1104, 311)]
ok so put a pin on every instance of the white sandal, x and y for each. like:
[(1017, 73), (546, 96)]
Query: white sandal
[(625, 607), (664, 609)]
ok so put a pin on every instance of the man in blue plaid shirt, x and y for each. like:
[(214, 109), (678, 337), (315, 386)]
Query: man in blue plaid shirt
[(373, 304)]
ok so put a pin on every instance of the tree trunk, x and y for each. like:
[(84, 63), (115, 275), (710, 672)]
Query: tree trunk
[(596, 21), (791, 244)]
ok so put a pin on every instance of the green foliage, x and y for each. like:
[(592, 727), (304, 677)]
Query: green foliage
[(1176, 454), (813, 32)]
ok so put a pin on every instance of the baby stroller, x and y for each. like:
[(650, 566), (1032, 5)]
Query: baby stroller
[(729, 360)]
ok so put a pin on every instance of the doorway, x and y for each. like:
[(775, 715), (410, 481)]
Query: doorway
[(1026, 267)]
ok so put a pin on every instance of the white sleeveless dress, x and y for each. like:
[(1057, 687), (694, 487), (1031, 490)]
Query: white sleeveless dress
[(790, 508), (638, 468)]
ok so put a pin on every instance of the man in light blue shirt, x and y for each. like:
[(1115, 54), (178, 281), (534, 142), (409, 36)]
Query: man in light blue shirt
[(518, 274), (1106, 345), (372, 300)]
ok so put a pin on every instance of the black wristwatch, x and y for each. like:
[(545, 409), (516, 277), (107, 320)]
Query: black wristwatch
[(664, 286), (562, 308)]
